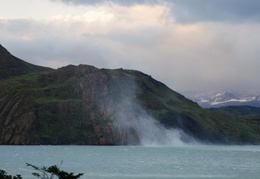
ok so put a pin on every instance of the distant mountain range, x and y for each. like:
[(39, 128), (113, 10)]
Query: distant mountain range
[(227, 99), (85, 105)]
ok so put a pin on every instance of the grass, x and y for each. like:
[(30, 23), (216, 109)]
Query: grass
[(58, 100), (41, 92), (167, 106)]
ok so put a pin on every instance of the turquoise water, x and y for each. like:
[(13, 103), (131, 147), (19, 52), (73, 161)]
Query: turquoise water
[(106, 162)]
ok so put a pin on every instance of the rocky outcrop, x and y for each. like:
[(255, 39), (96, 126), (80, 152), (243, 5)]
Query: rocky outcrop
[(66, 106), (18, 113)]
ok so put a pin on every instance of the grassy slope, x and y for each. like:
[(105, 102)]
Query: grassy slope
[(245, 110), (13, 66), (170, 108), (174, 110), (49, 90)]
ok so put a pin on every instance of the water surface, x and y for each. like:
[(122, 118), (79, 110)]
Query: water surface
[(104, 162)]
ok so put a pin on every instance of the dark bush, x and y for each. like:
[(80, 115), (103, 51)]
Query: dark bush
[(3, 175)]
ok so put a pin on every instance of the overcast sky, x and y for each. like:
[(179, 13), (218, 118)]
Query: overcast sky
[(190, 45)]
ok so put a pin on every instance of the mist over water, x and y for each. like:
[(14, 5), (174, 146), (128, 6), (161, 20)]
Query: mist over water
[(138, 127), (141, 128)]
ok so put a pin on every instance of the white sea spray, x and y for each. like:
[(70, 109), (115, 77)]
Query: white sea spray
[(137, 126)]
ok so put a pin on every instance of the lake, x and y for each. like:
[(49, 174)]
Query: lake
[(107, 162)]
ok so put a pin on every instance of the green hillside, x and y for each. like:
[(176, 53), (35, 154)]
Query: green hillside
[(245, 110), (13, 66), (86, 105)]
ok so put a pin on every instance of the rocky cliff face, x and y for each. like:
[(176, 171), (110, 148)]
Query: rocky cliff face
[(56, 107), (17, 115), (86, 105)]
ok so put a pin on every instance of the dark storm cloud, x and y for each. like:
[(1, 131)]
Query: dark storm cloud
[(190, 11), (216, 10)]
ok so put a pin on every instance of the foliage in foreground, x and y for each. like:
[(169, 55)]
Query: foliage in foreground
[(3, 175), (44, 173)]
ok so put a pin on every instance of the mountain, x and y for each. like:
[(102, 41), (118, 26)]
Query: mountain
[(86, 105), (227, 99), (13, 66)]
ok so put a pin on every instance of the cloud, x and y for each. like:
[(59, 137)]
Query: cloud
[(216, 10), (190, 11), (93, 2), (146, 37)]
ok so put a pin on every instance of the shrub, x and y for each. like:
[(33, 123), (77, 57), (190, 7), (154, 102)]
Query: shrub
[(51, 172), (44, 173), (3, 175)]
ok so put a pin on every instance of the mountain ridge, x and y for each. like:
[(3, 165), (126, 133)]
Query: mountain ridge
[(91, 106), (13, 66)]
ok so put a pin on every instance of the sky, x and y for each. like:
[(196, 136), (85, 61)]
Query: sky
[(190, 45)]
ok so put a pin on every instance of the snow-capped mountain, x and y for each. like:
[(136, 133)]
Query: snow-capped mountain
[(227, 99)]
